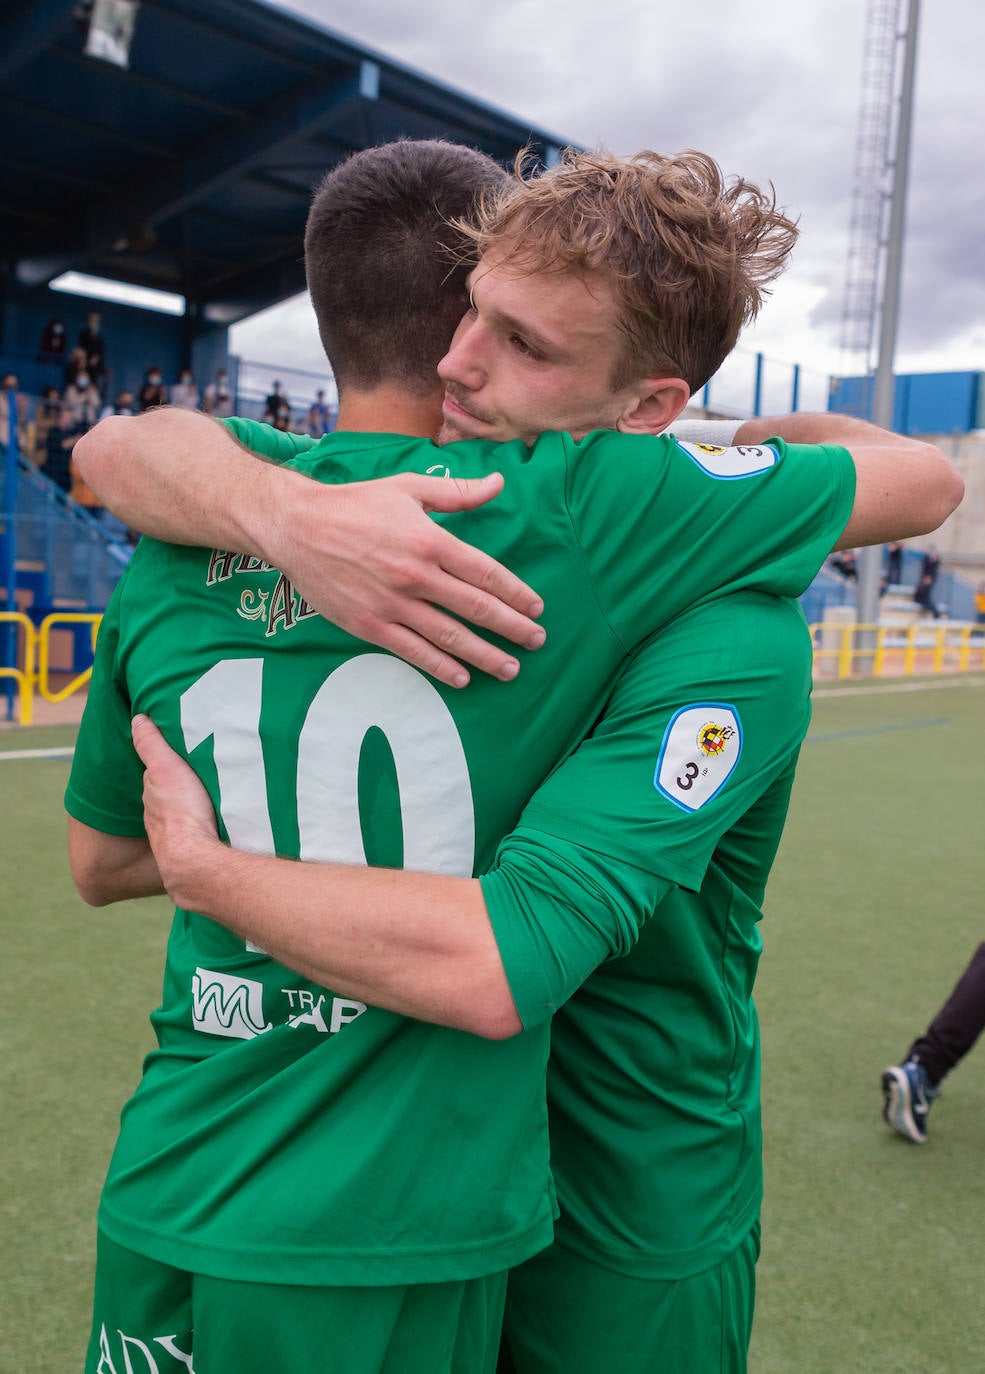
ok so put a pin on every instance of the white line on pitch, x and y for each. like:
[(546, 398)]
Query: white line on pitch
[(64, 753), (932, 686)]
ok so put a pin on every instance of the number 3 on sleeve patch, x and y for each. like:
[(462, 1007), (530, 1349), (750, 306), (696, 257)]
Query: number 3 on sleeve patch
[(744, 460), (700, 748)]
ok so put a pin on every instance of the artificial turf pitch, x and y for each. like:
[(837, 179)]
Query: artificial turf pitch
[(874, 1249)]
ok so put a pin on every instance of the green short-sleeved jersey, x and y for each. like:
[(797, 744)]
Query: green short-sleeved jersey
[(654, 1071), (283, 1133)]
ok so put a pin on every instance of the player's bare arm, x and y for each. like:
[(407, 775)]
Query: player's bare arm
[(904, 486), (111, 868), (416, 943), (365, 555)]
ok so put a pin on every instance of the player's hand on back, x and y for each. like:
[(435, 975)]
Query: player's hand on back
[(367, 557), (178, 815)]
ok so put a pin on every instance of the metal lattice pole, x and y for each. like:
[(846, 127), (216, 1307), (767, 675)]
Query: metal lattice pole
[(869, 190), (870, 564)]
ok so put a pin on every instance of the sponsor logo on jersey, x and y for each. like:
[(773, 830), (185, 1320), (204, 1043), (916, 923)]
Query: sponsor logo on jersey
[(744, 460), (253, 605), (149, 1362), (341, 1010), (223, 565), (280, 608), (700, 749), (226, 1004), (230, 1005)]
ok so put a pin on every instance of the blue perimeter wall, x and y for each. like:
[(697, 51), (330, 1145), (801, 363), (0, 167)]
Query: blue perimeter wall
[(923, 402)]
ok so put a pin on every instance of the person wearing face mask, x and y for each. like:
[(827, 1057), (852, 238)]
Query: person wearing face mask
[(185, 390), (76, 363), (218, 398), (92, 340), (153, 392), (82, 398), (53, 342)]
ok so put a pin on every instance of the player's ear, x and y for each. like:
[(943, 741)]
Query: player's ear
[(656, 405)]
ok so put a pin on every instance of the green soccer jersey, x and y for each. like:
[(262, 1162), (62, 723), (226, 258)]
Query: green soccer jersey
[(676, 801), (282, 1132)]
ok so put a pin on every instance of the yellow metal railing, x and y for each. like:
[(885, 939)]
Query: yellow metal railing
[(24, 677), (857, 649), (841, 651), (36, 673), (59, 619)]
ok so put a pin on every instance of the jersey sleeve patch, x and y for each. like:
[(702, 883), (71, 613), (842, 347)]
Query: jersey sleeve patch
[(700, 748), (745, 460)]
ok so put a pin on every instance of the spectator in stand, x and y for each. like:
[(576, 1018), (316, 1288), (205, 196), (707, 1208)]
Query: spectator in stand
[(924, 594), (53, 342), (82, 398), (47, 414), (844, 562), (14, 413), (277, 411), (153, 392), (60, 442), (77, 362), (91, 339), (185, 390), (894, 566), (321, 417), (123, 405), (980, 604), (218, 398)]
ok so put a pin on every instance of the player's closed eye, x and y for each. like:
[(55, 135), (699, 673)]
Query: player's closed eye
[(521, 346)]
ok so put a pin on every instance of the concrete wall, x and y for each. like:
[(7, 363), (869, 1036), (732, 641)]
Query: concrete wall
[(961, 539)]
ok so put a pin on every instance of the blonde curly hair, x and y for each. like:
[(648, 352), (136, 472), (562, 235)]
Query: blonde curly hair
[(691, 253)]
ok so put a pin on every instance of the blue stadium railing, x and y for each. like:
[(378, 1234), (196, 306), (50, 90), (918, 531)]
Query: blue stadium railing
[(54, 555), (64, 555)]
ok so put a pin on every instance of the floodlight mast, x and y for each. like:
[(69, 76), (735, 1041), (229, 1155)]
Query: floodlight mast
[(870, 562)]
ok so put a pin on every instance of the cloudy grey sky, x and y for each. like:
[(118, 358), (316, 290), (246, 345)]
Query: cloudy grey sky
[(769, 88)]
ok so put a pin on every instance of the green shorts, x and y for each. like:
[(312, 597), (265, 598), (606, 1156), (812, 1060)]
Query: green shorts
[(151, 1318), (567, 1315)]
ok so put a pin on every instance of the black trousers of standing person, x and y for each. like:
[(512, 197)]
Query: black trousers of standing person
[(957, 1025)]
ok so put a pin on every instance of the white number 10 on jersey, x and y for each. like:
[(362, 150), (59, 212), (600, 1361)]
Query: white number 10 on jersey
[(436, 804)]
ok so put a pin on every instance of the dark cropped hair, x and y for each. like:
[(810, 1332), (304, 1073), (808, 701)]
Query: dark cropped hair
[(384, 259)]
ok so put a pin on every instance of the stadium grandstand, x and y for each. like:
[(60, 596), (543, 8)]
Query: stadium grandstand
[(173, 155), (177, 159)]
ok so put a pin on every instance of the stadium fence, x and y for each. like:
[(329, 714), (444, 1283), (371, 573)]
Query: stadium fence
[(854, 649), (841, 650)]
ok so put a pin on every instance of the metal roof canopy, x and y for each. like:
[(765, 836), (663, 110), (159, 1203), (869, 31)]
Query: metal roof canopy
[(192, 169)]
